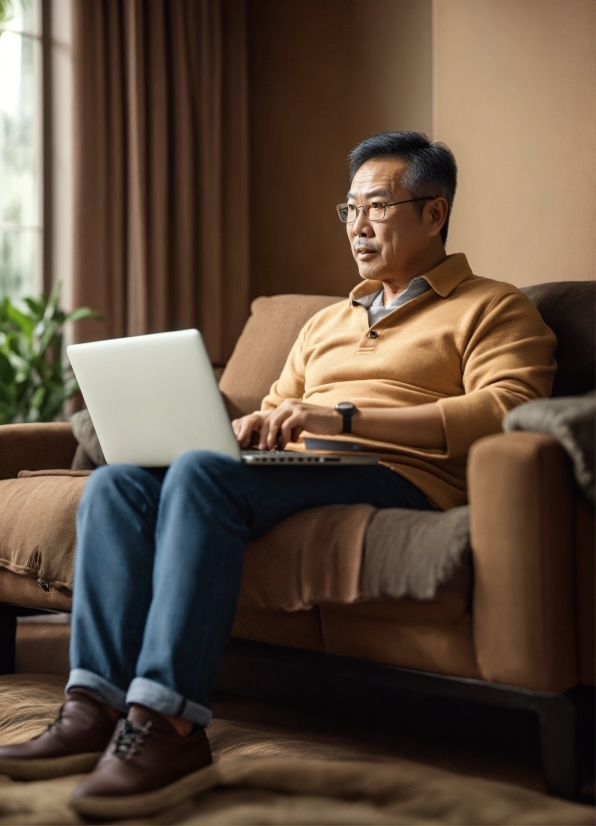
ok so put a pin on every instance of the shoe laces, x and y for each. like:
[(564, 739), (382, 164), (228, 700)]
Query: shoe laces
[(129, 738)]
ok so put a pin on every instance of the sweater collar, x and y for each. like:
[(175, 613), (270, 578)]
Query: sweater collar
[(443, 278)]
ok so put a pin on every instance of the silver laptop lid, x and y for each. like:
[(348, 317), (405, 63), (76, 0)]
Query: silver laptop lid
[(153, 397)]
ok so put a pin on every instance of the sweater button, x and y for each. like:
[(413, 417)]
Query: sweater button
[(373, 334)]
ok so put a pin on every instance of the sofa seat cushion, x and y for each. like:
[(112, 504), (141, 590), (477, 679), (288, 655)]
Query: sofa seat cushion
[(312, 557), (380, 633), (37, 525), (16, 589), (334, 555), (298, 629)]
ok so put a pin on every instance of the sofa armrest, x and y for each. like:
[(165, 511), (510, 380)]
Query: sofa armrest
[(521, 511), (40, 446)]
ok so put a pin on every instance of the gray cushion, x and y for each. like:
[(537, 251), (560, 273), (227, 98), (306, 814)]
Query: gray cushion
[(569, 309), (89, 454)]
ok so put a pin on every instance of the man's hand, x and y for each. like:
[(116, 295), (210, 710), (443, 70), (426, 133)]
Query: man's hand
[(286, 423)]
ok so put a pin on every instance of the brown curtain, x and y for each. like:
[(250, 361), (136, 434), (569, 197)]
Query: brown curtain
[(161, 167)]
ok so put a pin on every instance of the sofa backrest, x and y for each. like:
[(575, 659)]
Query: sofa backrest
[(263, 347), (569, 309)]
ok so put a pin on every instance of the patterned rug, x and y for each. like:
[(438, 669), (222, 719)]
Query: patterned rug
[(276, 775)]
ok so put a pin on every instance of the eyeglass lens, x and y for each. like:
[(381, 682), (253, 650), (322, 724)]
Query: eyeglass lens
[(348, 212)]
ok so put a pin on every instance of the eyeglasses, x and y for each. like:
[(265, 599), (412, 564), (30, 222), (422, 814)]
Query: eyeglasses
[(374, 211)]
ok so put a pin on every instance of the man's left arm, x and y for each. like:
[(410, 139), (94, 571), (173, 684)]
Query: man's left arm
[(509, 359)]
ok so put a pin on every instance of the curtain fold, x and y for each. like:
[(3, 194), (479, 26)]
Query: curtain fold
[(161, 224)]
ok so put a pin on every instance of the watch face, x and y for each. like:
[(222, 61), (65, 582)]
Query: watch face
[(345, 407)]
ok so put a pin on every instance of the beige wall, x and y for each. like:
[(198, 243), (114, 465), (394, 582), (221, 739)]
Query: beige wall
[(509, 85), (514, 85), (324, 74)]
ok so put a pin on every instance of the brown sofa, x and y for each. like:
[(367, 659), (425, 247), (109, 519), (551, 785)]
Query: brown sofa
[(525, 621)]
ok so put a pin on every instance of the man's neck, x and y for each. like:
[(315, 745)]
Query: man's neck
[(394, 286)]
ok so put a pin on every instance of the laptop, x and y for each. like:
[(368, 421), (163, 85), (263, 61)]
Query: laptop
[(154, 397)]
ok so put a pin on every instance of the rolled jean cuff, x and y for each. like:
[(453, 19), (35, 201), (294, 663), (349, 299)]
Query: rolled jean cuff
[(153, 695), (98, 688)]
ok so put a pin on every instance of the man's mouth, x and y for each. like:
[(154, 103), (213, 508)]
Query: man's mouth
[(364, 251)]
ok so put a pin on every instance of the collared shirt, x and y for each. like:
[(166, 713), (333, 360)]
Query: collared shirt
[(378, 310)]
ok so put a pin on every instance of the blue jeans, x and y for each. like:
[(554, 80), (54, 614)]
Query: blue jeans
[(159, 562)]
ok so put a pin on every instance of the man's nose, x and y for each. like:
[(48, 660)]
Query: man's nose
[(361, 225)]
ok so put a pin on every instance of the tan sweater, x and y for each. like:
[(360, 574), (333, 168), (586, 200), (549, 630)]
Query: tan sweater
[(475, 346)]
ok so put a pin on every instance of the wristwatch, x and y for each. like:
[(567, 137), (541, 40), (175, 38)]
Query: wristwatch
[(347, 410)]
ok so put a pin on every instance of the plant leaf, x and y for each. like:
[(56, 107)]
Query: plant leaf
[(53, 301), (7, 373), (23, 322), (37, 398), (37, 306), (34, 379), (84, 312)]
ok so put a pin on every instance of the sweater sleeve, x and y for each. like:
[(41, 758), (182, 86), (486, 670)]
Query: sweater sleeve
[(290, 385), (508, 360)]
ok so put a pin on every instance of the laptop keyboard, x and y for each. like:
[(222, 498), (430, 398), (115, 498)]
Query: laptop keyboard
[(287, 456)]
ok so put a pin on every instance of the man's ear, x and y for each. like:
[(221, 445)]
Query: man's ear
[(436, 215)]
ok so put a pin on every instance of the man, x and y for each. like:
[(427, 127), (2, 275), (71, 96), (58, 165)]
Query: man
[(423, 359)]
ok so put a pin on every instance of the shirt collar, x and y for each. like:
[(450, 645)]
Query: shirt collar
[(443, 278)]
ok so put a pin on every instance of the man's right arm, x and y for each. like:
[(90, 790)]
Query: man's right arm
[(290, 384)]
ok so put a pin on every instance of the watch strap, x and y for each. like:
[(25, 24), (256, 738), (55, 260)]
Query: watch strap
[(346, 415)]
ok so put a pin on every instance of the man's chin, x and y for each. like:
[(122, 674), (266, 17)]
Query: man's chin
[(369, 274)]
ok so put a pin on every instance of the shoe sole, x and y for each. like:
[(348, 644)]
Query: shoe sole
[(149, 803), (48, 767)]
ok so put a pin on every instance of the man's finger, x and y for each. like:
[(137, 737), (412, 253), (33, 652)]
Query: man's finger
[(287, 429), (276, 421), (273, 433), (245, 427), (264, 432)]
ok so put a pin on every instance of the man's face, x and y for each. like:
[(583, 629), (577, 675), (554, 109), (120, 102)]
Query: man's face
[(383, 249)]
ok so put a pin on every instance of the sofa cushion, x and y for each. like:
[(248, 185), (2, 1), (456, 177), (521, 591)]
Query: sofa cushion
[(263, 347), (311, 557), (377, 632), (569, 307), (318, 557), (17, 589), (296, 629), (37, 524), (89, 454)]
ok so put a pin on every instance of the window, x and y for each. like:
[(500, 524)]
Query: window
[(21, 148)]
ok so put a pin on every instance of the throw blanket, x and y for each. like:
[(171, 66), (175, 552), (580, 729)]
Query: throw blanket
[(572, 421), (412, 553)]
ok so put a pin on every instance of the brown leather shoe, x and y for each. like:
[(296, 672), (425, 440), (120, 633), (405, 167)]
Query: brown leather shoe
[(71, 745), (146, 768)]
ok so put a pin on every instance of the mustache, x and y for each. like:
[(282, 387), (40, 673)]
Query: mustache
[(359, 244)]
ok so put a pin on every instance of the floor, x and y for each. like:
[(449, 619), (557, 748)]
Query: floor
[(489, 747)]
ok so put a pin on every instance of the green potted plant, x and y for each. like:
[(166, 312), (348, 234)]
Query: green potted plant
[(34, 381)]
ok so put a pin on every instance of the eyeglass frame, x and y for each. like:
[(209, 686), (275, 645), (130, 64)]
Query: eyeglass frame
[(385, 205)]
